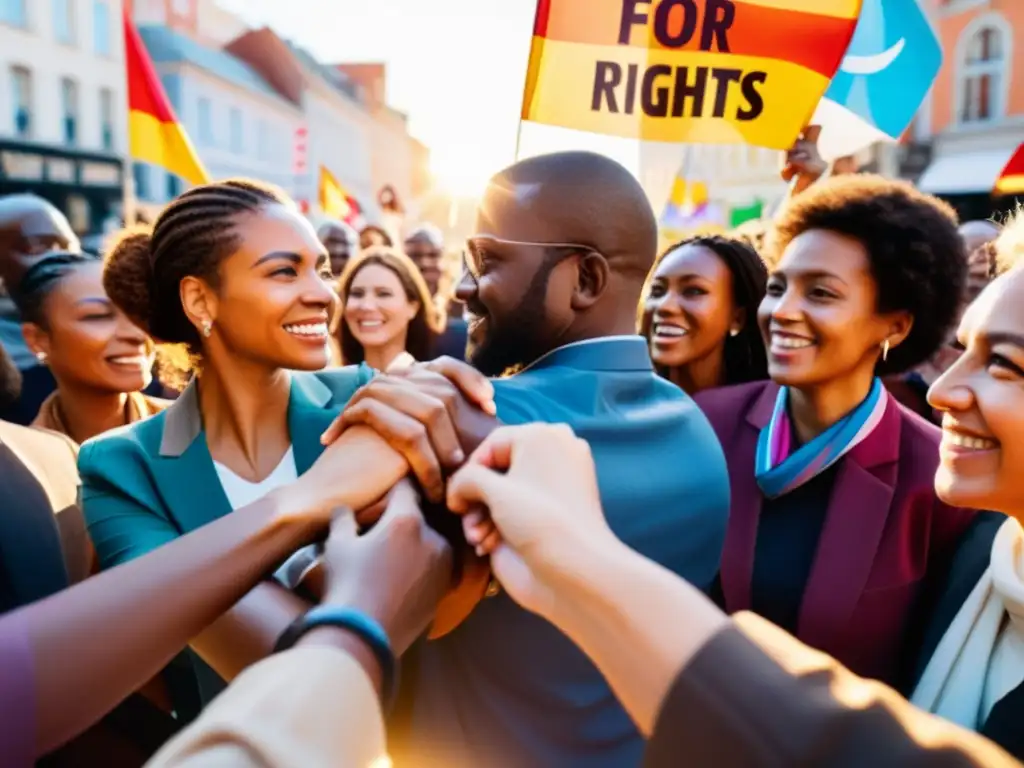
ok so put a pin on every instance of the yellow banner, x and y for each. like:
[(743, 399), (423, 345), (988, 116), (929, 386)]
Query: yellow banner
[(694, 71)]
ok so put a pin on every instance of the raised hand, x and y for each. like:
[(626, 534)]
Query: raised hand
[(530, 498), (397, 572)]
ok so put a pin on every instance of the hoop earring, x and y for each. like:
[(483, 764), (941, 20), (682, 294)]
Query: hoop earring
[(207, 328), (885, 350)]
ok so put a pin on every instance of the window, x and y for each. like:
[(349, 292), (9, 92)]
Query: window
[(262, 140), (237, 137), (983, 75), (100, 27), (69, 108), (140, 175), (204, 111), (13, 12), (63, 22), (107, 119), (21, 90), (173, 186)]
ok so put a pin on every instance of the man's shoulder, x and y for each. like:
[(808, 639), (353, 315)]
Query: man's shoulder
[(534, 394)]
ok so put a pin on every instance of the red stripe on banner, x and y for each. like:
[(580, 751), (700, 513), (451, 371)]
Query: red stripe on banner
[(540, 22)]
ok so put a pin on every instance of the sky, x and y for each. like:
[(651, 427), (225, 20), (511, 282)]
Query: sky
[(456, 67)]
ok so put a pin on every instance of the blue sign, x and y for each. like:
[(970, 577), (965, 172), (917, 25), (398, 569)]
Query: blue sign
[(891, 63)]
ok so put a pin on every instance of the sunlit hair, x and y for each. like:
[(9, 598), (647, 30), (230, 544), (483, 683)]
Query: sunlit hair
[(1009, 245), (423, 328), (745, 358)]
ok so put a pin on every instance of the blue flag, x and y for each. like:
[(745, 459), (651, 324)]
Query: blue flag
[(889, 67)]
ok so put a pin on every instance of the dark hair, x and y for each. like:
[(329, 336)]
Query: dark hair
[(42, 278), (916, 254), (373, 228), (191, 237), (744, 356), (424, 327)]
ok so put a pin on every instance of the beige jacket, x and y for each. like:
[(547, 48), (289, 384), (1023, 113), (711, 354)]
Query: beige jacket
[(304, 708)]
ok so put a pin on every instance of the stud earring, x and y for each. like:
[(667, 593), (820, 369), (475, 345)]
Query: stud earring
[(734, 332), (41, 357), (885, 350), (207, 328)]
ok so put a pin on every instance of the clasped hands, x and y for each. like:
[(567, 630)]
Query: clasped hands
[(526, 499), (424, 421)]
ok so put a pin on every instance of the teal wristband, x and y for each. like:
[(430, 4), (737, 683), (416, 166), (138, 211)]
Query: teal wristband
[(360, 625)]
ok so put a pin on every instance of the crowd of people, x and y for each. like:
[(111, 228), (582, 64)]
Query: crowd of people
[(278, 496)]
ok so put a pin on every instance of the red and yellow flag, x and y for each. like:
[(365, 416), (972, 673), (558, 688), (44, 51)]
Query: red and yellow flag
[(154, 133), (694, 71), (1011, 180), (334, 200)]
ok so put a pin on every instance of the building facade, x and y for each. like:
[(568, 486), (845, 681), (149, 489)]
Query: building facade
[(398, 160), (62, 106), (255, 104), (974, 118), (239, 124)]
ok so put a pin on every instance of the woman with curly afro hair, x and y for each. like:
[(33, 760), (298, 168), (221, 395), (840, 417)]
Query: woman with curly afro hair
[(835, 529)]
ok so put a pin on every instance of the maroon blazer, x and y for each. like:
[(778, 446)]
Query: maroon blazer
[(885, 532)]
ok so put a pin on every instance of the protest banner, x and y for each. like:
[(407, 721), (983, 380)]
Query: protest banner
[(695, 71)]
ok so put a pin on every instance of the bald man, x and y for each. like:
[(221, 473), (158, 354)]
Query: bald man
[(425, 246), (29, 228), (341, 242), (977, 237), (555, 271)]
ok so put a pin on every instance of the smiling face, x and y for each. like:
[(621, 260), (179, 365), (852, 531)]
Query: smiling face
[(982, 402), (819, 317), (689, 308), (273, 303), (90, 343), (377, 309)]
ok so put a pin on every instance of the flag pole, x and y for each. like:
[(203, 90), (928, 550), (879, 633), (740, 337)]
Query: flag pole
[(526, 79), (129, 211)]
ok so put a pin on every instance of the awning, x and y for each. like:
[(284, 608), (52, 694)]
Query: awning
[(966, 173)]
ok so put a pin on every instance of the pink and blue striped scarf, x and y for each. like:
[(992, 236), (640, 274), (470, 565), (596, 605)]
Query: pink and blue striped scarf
[(779, 469)]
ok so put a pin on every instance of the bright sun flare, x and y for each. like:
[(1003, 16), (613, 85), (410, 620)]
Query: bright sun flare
[(463, 174)]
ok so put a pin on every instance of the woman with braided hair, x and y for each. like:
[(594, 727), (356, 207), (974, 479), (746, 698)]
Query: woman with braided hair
[(235, 276)]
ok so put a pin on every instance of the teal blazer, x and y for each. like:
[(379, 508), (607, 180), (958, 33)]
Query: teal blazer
[(150, 482)]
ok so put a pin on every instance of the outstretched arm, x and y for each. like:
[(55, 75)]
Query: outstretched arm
[(93, 644), (103, 638)]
